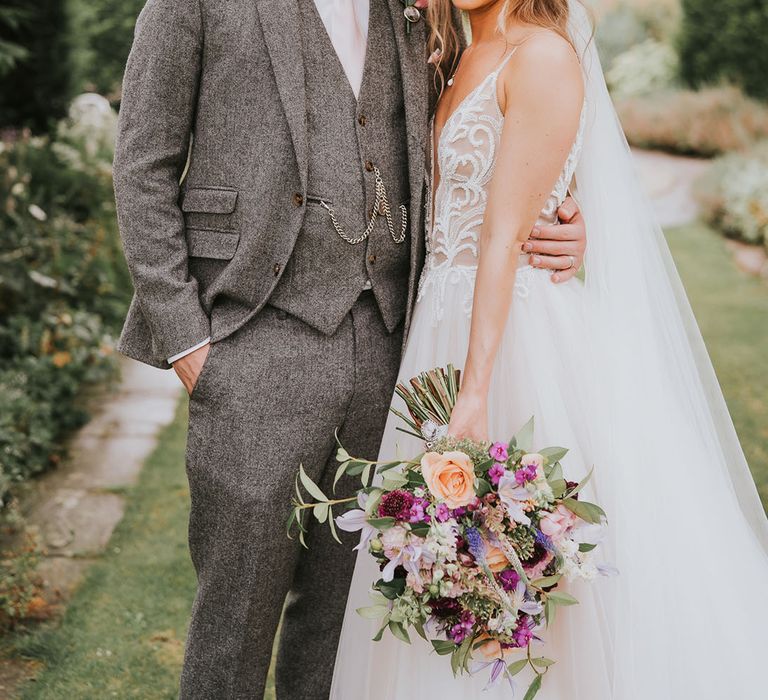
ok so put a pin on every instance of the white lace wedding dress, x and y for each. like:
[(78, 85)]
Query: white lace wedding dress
[(686, 617)]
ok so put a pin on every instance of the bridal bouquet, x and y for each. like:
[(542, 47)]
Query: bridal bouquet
[(473, 540)]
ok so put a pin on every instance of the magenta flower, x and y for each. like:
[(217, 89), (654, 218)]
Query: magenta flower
[(524, 632), (496, 472), (526, 474), (509, 578), (463, 628), (442, 512), (417, 513), (499, 452)]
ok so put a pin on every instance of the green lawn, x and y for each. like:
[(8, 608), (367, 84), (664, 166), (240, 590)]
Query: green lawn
[(123, 635)]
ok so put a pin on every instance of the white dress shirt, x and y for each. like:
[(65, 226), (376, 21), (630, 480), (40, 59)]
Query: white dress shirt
[(346, 22)]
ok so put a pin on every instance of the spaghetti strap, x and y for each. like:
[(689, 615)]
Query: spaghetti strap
[(507, 58)]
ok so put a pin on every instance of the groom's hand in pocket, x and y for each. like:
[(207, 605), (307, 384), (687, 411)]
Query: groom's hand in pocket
[(560, 247), (188, 368)]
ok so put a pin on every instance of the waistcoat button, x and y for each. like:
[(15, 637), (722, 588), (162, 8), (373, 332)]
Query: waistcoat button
[(276, 269), (369, 166), (361, 120), (298, 200), (371, 259)]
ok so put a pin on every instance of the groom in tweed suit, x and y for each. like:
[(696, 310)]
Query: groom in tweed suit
[(244, 124)]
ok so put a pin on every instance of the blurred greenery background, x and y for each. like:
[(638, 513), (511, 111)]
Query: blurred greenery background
[(688, 79)]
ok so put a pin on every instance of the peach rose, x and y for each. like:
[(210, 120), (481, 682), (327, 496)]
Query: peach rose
[(556, 523), (450, 477), (496, 559), (491, 649)]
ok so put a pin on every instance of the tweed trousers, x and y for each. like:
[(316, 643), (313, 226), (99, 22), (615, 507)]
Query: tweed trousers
[(270, 396)]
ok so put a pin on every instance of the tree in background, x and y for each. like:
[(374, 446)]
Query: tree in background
[(725, 40), (36, 89), (105, 32), (10, 52)]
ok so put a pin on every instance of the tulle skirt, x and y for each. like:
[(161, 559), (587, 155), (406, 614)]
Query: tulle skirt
[(687, 615)]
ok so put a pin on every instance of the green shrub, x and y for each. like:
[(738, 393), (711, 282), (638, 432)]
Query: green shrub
[(734, 194), (646, 67), (63, 286), (703, 123), (726, 40), (36, 91), (628, 24), (104, 30)]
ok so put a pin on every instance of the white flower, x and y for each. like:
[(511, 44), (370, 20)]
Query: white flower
[(37, 213), (514, 498)]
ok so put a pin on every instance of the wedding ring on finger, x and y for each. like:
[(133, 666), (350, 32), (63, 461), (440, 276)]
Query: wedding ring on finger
[(573, 262)]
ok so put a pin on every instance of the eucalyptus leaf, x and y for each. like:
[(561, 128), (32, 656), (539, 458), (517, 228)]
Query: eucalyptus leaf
[(320, 511), (514, 668), (332, 525), (524, 437), (394, 480), (542, 662), (373, 612), (312, 488), (533, 688), (391, 589), (339, 473), (482, 488), (558, 487), (381, 523), (582, 483), (554, 454), (443, 647), (586, 547), (420, 529), (366, 476), (562, 598), (589, 512), (380, 633), (387, 466), (547, 581), (399, 631)]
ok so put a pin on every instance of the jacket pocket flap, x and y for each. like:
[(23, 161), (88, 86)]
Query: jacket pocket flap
[(209, 200), (210, 243)]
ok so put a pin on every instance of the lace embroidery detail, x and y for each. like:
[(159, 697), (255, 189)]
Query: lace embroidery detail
[(466, 157)]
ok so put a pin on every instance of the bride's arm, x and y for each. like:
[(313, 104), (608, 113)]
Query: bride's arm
[(542, 93)]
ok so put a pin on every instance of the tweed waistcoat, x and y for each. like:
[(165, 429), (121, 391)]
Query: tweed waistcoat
[(348, 139)]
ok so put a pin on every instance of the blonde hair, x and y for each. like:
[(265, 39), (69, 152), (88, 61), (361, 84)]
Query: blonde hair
[(445, 42)]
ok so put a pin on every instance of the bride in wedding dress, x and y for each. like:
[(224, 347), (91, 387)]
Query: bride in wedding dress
[(612, 367)]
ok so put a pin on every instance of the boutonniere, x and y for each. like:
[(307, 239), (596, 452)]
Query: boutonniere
[(412, 12)]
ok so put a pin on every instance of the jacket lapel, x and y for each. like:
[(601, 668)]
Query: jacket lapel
[(280, 24), (413, 69)]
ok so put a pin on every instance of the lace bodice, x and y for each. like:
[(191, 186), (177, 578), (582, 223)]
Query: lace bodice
[(466, 156)]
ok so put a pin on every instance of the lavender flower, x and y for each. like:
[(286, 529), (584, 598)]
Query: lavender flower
[(475, 544)]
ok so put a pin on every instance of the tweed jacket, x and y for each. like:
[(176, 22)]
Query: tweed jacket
[(211, 163)]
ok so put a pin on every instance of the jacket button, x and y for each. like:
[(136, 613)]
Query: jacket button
[(369, 166), (298, 200), (361, 120), (276, 269), (371, 259)]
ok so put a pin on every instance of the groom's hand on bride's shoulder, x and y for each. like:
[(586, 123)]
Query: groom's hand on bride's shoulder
[(188, 368), (560, 247)]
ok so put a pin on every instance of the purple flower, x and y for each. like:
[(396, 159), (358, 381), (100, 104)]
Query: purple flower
[(509, 578), (496, 472), (458, 512), (499, 452), (463, 628), (417, 513), (442, 512), (396, 504), (524, 631), (526, 474), (475, 544)]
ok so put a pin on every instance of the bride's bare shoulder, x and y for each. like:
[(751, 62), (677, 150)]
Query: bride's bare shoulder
[(545, 64)]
